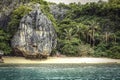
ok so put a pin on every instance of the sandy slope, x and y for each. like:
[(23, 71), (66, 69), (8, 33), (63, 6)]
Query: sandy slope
[(18, 60)]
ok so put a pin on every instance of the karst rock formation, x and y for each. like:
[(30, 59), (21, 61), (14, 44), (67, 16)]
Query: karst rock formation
[(36, 35)]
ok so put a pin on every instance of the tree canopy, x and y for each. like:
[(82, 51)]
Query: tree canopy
[(92, 29)]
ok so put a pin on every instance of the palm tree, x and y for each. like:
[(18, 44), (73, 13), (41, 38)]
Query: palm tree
[(70, 35), (93, 26), (83, 32)]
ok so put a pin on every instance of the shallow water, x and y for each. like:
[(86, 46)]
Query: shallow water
[(60, 72)]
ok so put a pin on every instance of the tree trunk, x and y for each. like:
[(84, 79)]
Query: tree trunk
[(106, 37), (93, 39)]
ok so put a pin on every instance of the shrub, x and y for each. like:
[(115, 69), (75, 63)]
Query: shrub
[(100, 50), (114, 52), (16, 16), (70, 50), (4, 42), (85, 50)]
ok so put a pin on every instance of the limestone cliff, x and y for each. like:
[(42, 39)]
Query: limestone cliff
[(58, 12), (6, 8), (35, 35)]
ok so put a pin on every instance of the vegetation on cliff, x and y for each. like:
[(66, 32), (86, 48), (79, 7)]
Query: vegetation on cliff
[(92, 29), (4, 42)]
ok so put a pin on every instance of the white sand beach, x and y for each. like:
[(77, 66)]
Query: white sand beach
[(77, 60)]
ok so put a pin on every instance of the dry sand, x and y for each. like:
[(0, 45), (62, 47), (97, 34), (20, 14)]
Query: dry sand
[(77, 60)]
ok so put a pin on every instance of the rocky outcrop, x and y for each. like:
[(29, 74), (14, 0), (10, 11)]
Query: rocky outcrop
[(6, 8), (35, 36), (58, 12)]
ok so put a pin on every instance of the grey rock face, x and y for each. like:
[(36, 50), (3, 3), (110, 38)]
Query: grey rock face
[(1, 53), (36, 34), (6, 8), (58, 12)]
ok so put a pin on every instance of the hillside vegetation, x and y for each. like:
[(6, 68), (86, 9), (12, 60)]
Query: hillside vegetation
[(92, 29)]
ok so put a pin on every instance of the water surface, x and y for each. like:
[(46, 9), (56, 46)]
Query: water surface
[(60, 72)]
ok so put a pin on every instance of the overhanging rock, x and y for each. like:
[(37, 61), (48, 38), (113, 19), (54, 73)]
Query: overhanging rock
[(36, 35)]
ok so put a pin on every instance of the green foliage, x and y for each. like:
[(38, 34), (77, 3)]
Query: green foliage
[(4, 45), (40, 2), (46, 10), (114, 2), (85, 50), (62, 5), (117, 35), (21, 11), (96, 24), (100, 50), (92, 29), (69, 50), (16, 17), (114, 52)]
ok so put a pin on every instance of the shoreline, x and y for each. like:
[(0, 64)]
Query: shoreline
[(60, 60)]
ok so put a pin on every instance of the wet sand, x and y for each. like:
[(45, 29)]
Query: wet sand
[(52, 60)]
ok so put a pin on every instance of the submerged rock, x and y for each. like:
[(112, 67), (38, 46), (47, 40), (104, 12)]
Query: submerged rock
[(35, 36)]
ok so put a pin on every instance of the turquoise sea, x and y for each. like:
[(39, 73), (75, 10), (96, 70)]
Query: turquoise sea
[(60, 72)]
